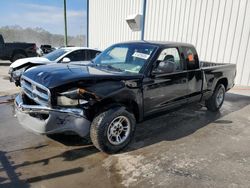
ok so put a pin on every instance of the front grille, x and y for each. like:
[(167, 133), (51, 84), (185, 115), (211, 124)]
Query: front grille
[(35, 91)]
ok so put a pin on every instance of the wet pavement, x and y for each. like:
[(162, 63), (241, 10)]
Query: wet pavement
[(188, 147), (6, 87)]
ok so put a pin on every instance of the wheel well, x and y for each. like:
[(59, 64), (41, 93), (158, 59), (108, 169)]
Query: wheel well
[(98, 108), (133, 108), (222, 81)]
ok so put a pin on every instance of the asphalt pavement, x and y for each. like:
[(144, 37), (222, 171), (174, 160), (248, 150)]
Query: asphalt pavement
[(187, 147), (6, 88)]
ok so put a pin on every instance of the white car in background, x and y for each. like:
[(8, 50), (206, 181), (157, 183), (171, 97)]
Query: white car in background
[(61, 55)]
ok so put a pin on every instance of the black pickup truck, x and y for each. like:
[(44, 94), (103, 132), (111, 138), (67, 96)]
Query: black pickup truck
[(123, 85), (17, 50)]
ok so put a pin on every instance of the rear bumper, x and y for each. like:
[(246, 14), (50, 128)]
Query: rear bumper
[(44, 120)]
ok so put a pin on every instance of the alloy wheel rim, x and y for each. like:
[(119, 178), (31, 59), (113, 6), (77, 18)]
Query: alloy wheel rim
[(118, 130), (219, 97)]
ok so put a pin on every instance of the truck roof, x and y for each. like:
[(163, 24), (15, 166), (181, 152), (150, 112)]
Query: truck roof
[(159, 43)]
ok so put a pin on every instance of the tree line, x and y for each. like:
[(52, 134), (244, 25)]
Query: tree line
[(39, 36)]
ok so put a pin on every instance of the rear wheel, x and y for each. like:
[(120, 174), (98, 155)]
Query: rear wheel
[(112, 130), (215, 102), (17, 56)]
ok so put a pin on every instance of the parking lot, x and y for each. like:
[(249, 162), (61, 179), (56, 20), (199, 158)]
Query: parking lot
[(188, 147)]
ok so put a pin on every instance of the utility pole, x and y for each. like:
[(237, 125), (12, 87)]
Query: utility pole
[(87, 23), (65, 25), (144, 8)]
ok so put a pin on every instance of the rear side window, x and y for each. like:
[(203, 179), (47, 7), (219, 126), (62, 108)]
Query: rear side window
[(191, 58), (91, 54), (94, 53)]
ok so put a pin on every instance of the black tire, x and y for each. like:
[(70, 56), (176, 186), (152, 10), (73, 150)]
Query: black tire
[(101, 126), (212, 103), (17, 56)]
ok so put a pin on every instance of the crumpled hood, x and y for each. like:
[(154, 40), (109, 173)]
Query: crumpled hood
[(35, 60), (55, 75)]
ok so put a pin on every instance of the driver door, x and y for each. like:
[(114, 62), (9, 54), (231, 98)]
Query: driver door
[(165, 88)]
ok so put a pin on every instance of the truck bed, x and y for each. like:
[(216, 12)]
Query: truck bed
[(205, 64), (214, 71)]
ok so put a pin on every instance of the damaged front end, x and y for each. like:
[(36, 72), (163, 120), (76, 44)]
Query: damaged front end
[(75, 97), (35, 113)]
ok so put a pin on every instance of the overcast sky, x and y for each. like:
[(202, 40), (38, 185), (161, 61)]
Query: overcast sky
[(47, 14)]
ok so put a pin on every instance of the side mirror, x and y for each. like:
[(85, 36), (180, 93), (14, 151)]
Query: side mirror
[(65, 60), (164, 67)]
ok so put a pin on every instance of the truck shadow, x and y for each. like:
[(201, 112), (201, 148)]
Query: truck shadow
[(172, 125), (182, 122), (13, 178), (70, 140)]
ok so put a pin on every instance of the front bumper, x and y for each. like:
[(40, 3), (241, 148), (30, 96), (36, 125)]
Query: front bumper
[(46, 120)]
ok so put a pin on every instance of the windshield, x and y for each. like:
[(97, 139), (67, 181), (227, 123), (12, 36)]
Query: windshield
[(52, 56), (125, 57)]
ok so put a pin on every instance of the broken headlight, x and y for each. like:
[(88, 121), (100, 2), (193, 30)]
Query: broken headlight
[(18, 73), (10, 70), (71, 98)]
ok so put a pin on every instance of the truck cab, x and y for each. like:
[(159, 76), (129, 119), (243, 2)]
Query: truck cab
[(173, 78)]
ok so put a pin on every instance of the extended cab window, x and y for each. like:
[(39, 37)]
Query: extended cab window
[(191, 58), (171, 56)]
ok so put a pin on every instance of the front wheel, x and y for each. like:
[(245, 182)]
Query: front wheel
[(215, 102), (112, 130)]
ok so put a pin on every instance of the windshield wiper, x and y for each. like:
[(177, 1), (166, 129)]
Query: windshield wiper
[(110, 67), (114, 68)]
